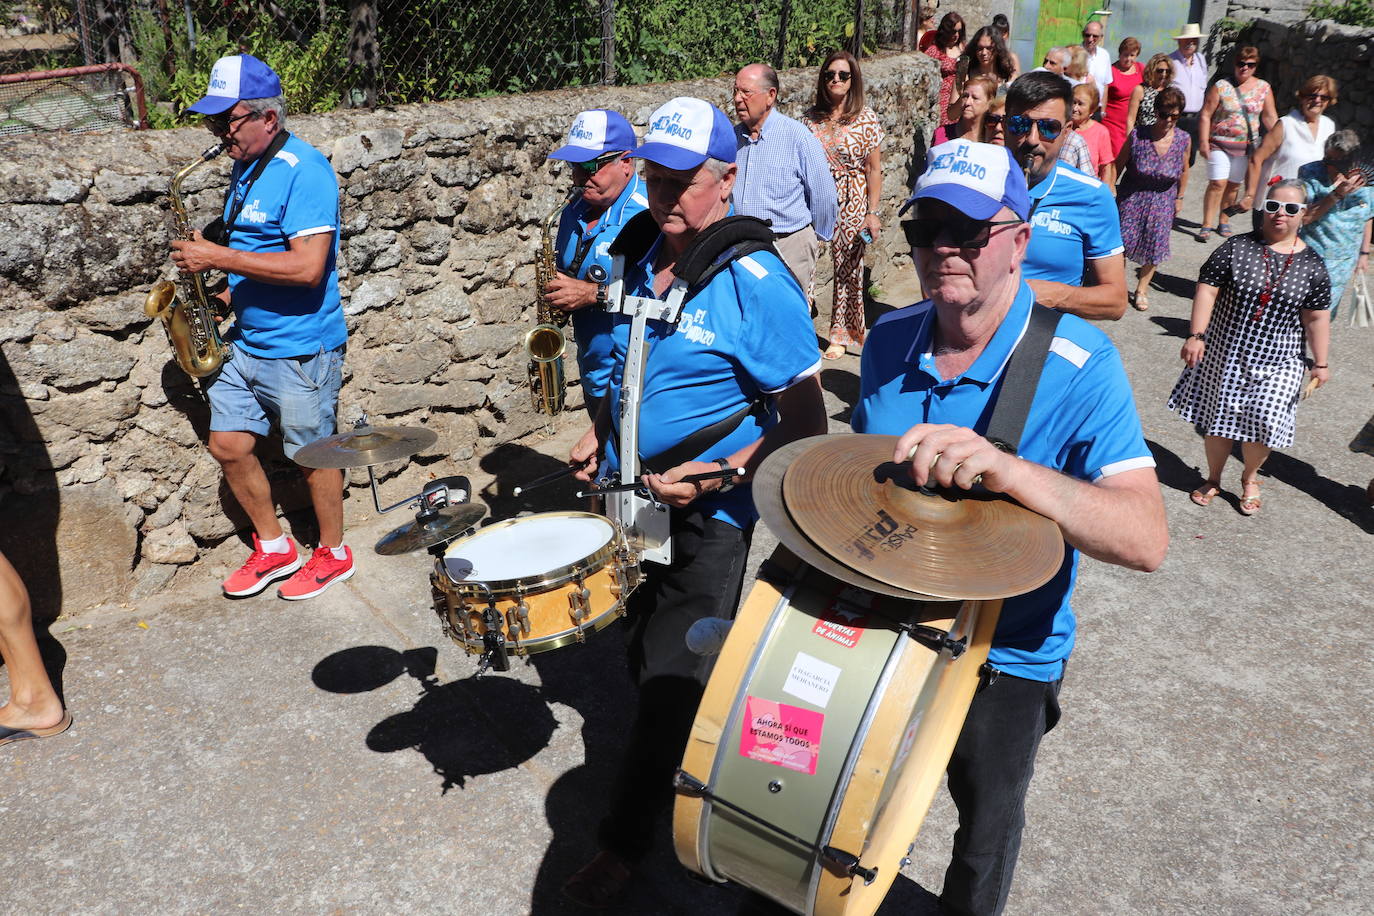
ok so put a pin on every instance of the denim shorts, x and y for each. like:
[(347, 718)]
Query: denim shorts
[(299, 394)]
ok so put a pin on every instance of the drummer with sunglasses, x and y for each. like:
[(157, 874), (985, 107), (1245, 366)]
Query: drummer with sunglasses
[(1074, 262), (598, 147), (1082, 461)]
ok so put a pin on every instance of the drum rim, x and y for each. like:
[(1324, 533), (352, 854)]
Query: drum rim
[(552, 579)]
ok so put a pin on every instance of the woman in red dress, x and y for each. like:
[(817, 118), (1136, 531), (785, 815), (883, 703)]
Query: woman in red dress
[(1128, 74), (946, 49)]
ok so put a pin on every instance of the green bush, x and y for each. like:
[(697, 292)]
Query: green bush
[(1346, 12)]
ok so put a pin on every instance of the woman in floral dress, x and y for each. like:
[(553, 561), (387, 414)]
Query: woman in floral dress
[(1154, 177), (946, 50), (1228, 132), (850, 133), (1340, 206)]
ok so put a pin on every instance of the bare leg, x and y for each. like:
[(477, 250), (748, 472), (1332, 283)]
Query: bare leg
[(247, 481), (1211, 202), (33, 702), (1228, 197), (1255, 454), (326, 493), (1218, 450), (1143, 275)]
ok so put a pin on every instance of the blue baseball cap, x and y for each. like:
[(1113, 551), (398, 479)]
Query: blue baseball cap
[(594, 133), (685, 132), (234, 79), (977, 179)]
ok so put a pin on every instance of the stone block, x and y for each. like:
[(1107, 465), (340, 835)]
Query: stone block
[(373, 293), (375, 250), (118, 188), (408, 366), (430, 242), (171, 545), (365, 149), (80, 362)]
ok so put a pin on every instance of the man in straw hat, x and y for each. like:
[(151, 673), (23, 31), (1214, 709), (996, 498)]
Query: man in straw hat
[(1190, 78), (1081, 460)]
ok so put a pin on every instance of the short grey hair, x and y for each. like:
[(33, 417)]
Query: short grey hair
[(273, 103), (1342, 143), (718, 167), (1293, 183)]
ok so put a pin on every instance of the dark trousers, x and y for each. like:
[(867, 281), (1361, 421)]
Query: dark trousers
[(704, 581), (988, 778), (1189, 125)]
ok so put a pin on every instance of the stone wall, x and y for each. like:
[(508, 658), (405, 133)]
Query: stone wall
[(106, 488)]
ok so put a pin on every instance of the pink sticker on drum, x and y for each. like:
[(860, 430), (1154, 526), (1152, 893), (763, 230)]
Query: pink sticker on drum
[(785, 736)]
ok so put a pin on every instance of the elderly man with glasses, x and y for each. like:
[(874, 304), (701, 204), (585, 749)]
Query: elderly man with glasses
[(1081, 460), (1099, 61), (598, 146), (783, 175), (279, 244), (1075, 261)]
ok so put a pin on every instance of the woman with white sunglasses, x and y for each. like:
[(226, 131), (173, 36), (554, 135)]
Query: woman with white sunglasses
[(1260, 297)]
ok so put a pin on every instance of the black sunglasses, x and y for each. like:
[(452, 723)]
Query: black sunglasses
[(220, 125), (993, 118), (832, 75), (958, 230), (592, 166), (1292, 208), (1020, 125), (1247, 63)]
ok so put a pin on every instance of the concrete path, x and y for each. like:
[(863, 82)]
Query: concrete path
[(336, 756)]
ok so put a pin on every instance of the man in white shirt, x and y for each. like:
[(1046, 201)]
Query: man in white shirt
[(1099, 61), (1190, 78)]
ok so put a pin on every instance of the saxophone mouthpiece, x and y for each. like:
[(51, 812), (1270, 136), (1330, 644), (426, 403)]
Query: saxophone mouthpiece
[(214, 151)]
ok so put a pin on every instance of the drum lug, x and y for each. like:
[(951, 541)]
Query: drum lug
[(936, 640), (626, 572), (579, 603), (493, 641)]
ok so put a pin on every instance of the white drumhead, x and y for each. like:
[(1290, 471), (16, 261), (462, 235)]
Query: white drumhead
[(526, 547)]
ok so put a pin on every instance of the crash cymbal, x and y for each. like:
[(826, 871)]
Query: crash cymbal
[(851, 501), (450, 522), (366, 445), (767, 487)]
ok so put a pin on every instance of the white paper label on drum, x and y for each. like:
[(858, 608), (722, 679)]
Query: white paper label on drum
[(811, 679)]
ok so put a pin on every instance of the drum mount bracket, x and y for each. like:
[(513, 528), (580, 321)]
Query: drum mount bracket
[(935, 639), (846, 863)]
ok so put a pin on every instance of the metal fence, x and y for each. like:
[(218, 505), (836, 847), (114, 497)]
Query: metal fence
[(364, 53)]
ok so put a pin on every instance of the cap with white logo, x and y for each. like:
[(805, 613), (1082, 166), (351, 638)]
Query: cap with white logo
[(977, 179), (685, 132), (235, 78), (593, 133)]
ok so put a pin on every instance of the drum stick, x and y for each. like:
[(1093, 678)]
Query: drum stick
[(552, 477), (690, 478)]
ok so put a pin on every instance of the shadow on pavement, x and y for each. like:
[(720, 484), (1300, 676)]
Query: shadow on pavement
[(1182, 287), (845, 386), (1172, 470), (1173, 327), (1346, 500), (512, 465)]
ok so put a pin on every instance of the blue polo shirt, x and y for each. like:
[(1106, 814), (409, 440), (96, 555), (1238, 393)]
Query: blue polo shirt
[(747, 335), (296, 195), (1083, 423), (593, 323), (1073, 220)]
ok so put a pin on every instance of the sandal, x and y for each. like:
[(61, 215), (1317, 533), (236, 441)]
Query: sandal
[(598, 883), (1224, 230), (1204, 234), (1204, 494), (1250, 504), (1141, 301), (834, 351)]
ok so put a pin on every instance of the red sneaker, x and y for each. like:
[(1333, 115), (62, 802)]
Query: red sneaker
[(261, 570), (320, 572)]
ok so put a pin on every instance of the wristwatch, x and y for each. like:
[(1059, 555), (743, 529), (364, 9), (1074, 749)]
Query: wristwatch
[(727, 483), (1200, 335), (601, 293)]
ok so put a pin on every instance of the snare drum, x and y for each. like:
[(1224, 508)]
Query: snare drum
[(544, 581), (822, 737)]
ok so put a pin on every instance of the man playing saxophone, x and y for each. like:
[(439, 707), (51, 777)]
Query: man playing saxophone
[(279, 245), (598, 146)]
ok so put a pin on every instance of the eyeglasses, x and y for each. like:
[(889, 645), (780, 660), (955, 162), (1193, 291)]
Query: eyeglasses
[(959, 231), (1292, 208), (993, 118), (1170, 114), (1020, 124), (1246, 63), (1087, 34), (1164, 69), (1319, 97), (832, 75), (593, 166), (219, 125)]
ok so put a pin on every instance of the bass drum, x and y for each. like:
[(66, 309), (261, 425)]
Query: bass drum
[(828, 720)]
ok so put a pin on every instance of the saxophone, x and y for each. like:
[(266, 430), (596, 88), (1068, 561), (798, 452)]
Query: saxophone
[(189, 320), (545, 343)]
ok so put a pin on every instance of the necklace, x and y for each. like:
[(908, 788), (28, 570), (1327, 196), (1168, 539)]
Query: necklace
[(1267, 293)]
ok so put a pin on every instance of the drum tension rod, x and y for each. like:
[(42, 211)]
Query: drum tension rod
[(935, 639), (845, 862)]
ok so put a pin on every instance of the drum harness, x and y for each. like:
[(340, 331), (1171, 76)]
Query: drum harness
[(646, 520), (1019, 381)]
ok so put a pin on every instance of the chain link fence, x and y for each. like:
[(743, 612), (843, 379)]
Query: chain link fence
[(365, 53)]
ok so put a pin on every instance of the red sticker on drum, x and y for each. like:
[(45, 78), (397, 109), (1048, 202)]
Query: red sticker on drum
[(843, 622), (785, 736)]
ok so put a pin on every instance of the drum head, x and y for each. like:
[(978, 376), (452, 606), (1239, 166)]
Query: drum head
[(527, 549)]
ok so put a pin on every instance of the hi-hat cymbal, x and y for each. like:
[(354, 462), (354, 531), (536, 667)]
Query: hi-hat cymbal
[(851, 501), (366, 445), (767, 487), (448, 524)]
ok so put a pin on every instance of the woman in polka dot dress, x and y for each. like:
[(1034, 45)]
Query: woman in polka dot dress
[(1244, 356)]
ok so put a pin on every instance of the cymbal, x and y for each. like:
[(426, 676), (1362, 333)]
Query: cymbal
[(448, 524), (850, 500), (767, 486), (366, 445)]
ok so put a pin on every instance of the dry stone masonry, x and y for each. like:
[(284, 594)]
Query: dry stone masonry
[(102, 460)]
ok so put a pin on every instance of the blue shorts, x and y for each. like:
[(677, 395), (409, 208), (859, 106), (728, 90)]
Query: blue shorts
[(300, 394)]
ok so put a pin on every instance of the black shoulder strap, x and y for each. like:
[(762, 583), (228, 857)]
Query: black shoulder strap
[(719, 244), (1020, 378), (635, 237)]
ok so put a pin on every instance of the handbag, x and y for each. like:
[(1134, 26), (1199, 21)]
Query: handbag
[(1362, 307)]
